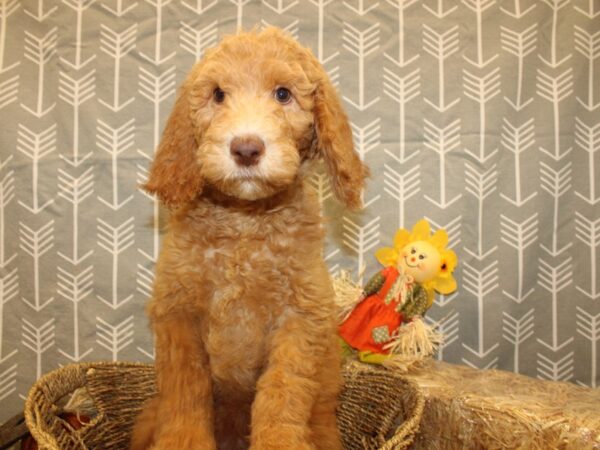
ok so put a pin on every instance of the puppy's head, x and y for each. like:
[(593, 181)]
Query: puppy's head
[(247, 117)]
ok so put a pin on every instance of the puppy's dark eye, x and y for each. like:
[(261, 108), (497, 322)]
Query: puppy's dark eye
[(283, 95), (219, 95)]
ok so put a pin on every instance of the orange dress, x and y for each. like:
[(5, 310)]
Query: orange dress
[(371, 324)]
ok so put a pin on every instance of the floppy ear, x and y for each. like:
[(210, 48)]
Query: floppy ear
[(334, 142), (175, 174)]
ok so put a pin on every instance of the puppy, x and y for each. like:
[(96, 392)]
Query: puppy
[(242, 306)]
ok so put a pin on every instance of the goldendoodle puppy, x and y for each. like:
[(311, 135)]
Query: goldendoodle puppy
[(242, 308)]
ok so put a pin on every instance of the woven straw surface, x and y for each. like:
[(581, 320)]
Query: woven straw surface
[(373, 403), (497, 410), (378, 409)]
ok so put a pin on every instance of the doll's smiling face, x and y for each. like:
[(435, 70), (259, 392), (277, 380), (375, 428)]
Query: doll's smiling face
[(421, 260)]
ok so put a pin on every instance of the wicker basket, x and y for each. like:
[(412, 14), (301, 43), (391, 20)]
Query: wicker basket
[(378, 409)]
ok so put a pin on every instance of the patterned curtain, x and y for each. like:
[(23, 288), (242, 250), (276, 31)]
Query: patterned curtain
[(481, 115)]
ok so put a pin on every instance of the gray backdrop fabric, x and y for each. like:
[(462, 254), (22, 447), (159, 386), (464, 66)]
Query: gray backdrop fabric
[(481, 115)]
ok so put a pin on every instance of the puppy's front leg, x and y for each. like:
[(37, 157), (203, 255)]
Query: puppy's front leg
[(286, 391), (185, 410)]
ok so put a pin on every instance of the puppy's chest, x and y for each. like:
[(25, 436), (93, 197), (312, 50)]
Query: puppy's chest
[(252, 269), (236, 339), (250, 297)]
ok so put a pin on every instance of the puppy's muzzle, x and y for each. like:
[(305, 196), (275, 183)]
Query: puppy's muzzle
[(247, 150)]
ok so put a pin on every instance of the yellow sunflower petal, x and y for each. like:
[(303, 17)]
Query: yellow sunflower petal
[(387, 256), (420, 231), (440, 239), (445, 285), (451, 260), (401, 238)]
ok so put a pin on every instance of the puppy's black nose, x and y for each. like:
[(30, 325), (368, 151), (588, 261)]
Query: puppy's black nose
[(247, 150)]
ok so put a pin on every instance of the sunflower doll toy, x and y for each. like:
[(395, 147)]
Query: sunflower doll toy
[(383, 323)]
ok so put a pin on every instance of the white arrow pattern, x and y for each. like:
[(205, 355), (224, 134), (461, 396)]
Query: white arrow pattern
[(588, 326), (36, 146), (557, 183), (555, 90), (441, 46), (519, 236), (442, 141), (7, 194), (115, 141), (157, 58), (402, 90), (559, 370), (119, 8), (555, 279), (115, 338), (197, 41), (553, 61), (41, 13), (75, 190), (448, 327), (517, 12), (79, 6), (481, 186), (75, 287), (588, 232), (8, 381), (321, 184), (401, 7), (36, 243), (40, 51), (517, 139), (115, 240), (479, 7), (9, 289), (482, 89), (480, 283), (76, 93), (361, 240), (402, 187), (361, 44), (7, 9), (520, 45), (588, 138), (9, 90), (117, 46), (517, 331), (588, 45), (38, 340)]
